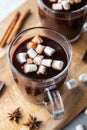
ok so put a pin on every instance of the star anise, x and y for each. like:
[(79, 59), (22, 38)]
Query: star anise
[(15, 115), (32, 123)]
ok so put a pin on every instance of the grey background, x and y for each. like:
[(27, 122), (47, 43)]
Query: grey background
[(80, 119)]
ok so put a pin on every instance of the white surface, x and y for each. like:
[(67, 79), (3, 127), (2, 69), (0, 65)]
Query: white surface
[(80, 119), (7, 6)]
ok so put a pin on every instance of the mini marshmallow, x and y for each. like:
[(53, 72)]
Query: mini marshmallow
[(37, 39), (52, 0), (29, 61), (59, 1), (37, 60), (72, 83), (21, 57), (49, 51), (77, 1), (66, 5), (83, 78), (58, 65), (31, 45), (30, 68), (32, 53), (71, 1), (57, 6), (42, 70), (85, 111), (46, 62), (39, 49), (79, 127)]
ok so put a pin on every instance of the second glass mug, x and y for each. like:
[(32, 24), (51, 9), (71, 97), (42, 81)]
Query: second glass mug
[(69, 23), (42, 91)]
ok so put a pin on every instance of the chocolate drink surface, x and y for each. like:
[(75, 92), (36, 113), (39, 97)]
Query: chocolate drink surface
[(73, 7), (59, 55), (67, 22)]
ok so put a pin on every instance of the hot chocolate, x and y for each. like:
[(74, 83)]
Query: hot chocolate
[(73, 7), (52, 54), (40, 64), (67, 22)]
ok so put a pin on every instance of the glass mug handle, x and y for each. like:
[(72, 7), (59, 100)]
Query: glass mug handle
[(85, 27), (55, 101)]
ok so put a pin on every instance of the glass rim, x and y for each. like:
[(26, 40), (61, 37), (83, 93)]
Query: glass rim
[(40, 80), (63, 12)]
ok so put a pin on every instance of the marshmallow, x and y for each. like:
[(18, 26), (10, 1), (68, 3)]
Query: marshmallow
[(52, 0), (72, 83), (29, 61), (66, 5), (71, 1), (46, 62), (37, 60), (79, 127), (37, 39), (83, 78), (58, 65), (59, 1), (30, 68), (42, 70), (77, 1), (57, 6), (49, 51), (21, 57), (31, 45), (85, 111), (32, 53), (39, 49)]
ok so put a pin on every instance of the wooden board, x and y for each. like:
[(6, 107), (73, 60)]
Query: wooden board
[(74, 100)]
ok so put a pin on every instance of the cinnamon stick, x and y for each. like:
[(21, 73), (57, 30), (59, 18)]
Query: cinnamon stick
[(18, 25), (9, 29)]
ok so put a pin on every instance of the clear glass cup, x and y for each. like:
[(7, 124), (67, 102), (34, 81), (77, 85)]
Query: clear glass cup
[(70, 23), (42, 91)]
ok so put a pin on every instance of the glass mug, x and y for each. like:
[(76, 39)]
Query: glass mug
[(70, 23), (42, 91)]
